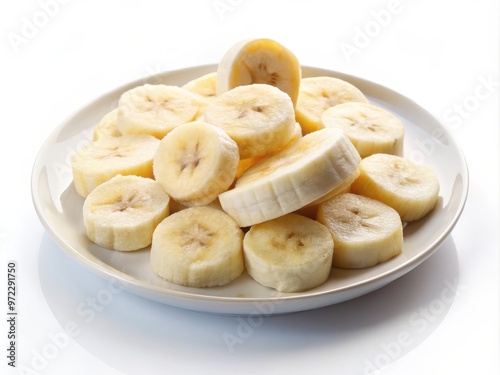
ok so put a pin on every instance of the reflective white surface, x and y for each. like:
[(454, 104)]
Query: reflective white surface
[(442, 317)]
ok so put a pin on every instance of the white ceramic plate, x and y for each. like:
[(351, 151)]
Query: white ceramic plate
[(60, 210)]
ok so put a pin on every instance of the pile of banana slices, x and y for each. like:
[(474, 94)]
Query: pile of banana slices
[(254, 168)]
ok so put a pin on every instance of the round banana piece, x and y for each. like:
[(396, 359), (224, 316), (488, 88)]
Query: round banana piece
[(259, 117), (317, 94), (107, 127), (410, 188), (156, 109), (291, 253), (198, 247), (196, 162), (203, 86), (299, 174), (366, 232), (107, 157), (371, 129), (259, 61), (122, 213)]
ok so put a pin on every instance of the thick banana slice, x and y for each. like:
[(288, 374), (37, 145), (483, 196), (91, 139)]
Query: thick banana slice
[(371, 129), (259, 117), (196, 162), (198, 247), (107, 126), (122, 213), (366, 232), (259, 61), (291, 253), (317, 94), (203, 86), (299, 174), (156, 109), (411, 189), (101, 160)]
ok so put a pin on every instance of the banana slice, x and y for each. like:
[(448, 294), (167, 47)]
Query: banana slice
[(259, 117), (196, 162), (291, 253), (156, 109), (101, 160), (203, 86), (122, 213), (366, 232), (411, 189), (370, 128), (299, 174), (107, 126), (317, 94), (198, 247), (259, 61)]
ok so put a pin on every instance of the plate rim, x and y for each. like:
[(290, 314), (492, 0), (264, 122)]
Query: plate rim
[(180, 298)]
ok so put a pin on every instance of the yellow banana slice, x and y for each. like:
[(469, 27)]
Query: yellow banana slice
[(259, 61), (101, 160), (371, 129), (122, 213), (107, 126), (366, 232), (410, 188), (317, 94), (196, 162), (291, 253), (198, 247), (299, 174), (260, 118), (156, 109)]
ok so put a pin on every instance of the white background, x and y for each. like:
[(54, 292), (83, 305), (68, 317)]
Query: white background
[(57, 58)]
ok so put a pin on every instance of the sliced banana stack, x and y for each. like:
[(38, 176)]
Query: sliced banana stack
[(371, 129), (410, 188), (299, 174), (196, 162), (107, 157), (259, 61), (107, 126), (258, 117), (198, 247), (366, 232), (156, 109), (122, 213), (291, 253), (317, 94)]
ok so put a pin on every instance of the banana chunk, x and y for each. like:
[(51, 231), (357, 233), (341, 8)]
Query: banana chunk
[(317, 94), (259, 117), (156, 109), (122, 213), (299, 174), (291, 253), (198, 247), (107, 127), (366, 232), (259, 61), (203, 86), (410, 188), (371, 129), (196, 162), (107, 157)]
